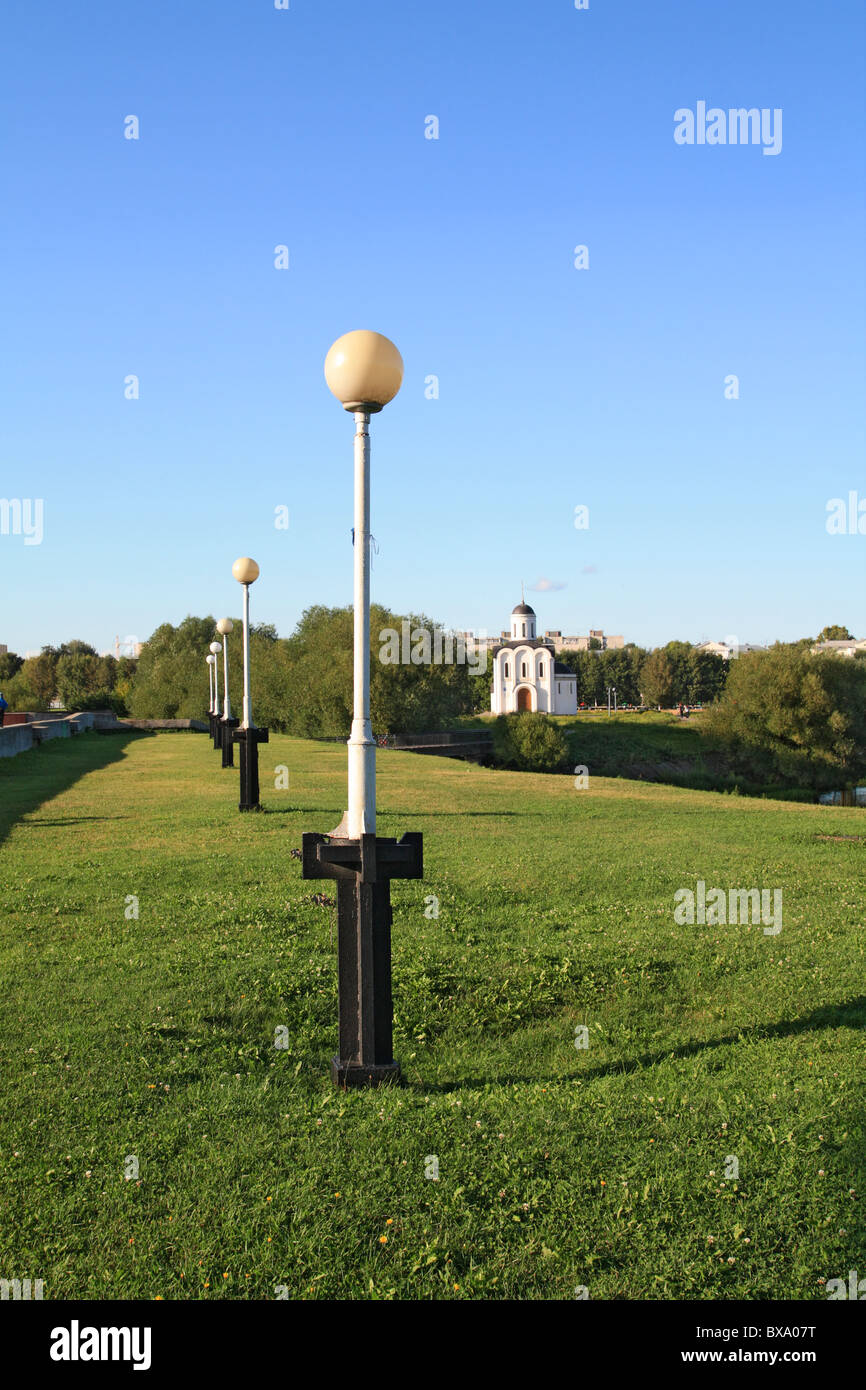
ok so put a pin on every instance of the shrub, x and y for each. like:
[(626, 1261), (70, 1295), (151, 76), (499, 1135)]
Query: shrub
[(529, 742)]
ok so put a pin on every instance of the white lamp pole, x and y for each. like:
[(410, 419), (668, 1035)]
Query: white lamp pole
[(362, 746), (246, 572), (209, 660), (224, 627), (364, 371), (215, 648)]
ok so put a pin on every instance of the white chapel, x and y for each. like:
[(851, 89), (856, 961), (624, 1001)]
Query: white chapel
[(526, 674)]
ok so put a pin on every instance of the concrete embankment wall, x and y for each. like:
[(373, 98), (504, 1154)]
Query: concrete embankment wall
[(17, 738)]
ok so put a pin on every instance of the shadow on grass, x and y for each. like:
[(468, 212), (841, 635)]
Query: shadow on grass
[(848, 1015), (30, 779)]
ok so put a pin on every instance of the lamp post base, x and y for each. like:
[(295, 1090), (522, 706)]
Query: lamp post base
[(214, 723), (363, 869), (248, 741), (346, 1074), (227, 726)]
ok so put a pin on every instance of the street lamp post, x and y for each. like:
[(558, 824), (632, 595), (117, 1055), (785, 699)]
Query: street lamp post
[(215, 649), (246, 572), (210, 659), (227, 724), (364, 371)]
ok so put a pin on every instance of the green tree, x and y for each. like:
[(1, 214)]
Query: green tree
[(621, 666), (10, 664), (304, 684), (479, 685), (708, 673), (834, 633), (79, 679), (20, 691), (171, 680), (589, 672), (37, 680), (789, 717), (658, 678)]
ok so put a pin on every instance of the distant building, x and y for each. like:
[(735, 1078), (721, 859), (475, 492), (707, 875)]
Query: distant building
[(526, 675), (850, 646), (129, 646), (727, 649), (584, 644)]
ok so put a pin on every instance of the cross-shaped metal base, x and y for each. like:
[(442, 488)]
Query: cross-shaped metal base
[(226, 727), (249, 740), (363, 870)]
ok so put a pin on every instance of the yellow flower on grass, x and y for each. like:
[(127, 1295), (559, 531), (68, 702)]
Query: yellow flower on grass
[(383, 1240)]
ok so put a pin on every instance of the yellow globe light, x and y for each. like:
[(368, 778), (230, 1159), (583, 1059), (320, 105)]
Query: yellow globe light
[(364, 370), (245, 570), (225, 626)]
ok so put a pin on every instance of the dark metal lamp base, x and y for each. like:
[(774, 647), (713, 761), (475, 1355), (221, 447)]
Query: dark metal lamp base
[(346, 1074), (363, 870), (248, 741), (227, 726)]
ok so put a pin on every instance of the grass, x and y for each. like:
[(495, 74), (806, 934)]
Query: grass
[(656, 746), (144, 1046)]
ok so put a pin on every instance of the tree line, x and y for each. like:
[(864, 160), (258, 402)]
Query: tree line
[(73, 673), (791, 712)]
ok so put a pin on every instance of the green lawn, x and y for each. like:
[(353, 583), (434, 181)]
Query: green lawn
[(153, 1038), (653, 745)]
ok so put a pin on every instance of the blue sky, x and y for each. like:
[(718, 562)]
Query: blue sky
[(558, 387)]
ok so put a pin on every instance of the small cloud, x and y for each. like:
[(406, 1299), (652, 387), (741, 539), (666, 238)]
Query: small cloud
[(589, 569), (544, 586)]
